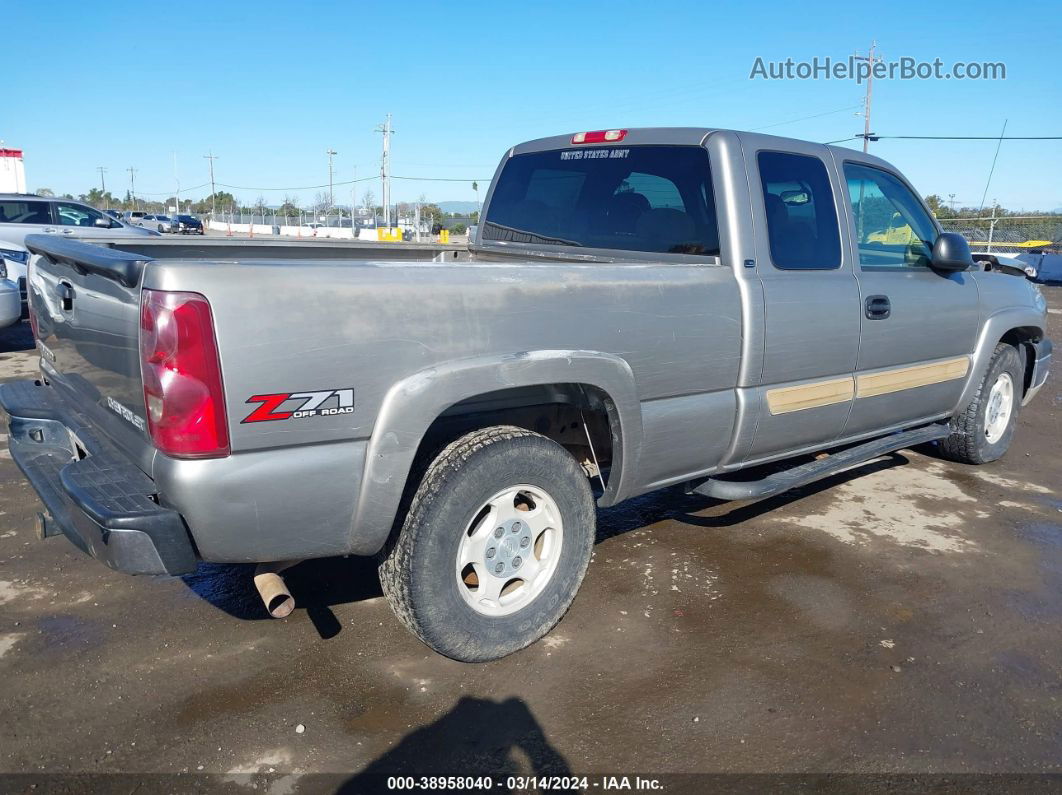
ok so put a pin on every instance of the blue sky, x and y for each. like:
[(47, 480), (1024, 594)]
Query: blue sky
[(269, 87)]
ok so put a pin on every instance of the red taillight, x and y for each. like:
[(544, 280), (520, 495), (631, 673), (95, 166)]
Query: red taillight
[(599, 137), (183, 394)]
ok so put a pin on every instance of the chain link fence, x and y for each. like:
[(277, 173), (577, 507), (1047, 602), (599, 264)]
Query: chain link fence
[(1007, 233)]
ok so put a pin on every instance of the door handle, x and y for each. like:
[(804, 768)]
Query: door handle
[(49, 229), (66, 296), (878, 307)]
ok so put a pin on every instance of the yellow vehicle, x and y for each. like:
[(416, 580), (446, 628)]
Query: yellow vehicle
[(898, 232)]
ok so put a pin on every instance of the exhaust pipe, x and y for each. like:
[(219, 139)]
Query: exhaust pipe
[(273, 590)]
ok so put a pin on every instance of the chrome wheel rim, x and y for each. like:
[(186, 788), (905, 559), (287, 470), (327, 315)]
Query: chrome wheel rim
[(509, 551), (999, 408)]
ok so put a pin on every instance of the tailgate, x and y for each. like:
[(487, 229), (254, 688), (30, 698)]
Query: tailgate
[(86, 299)]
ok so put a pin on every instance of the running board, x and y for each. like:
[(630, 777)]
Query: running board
[(821, 468)]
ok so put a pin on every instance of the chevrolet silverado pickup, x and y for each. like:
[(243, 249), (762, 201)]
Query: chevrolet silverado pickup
[(639, 308)]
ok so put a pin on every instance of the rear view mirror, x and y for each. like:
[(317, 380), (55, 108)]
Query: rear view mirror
[(795, 198), (951, 253)]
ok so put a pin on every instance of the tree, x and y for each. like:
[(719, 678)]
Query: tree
[(260, 205), (936, 204), (368, 200), (44, 192), (290, 207), (321, 201), (432, 213), (221, 199)]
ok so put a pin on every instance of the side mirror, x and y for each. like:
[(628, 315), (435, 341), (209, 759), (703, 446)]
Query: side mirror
[(104, 223), (951, 253)]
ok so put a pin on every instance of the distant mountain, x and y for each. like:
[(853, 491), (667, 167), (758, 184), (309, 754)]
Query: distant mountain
[(458, 207)]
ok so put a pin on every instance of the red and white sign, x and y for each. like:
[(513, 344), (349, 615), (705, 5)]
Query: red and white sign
[(12, 171)]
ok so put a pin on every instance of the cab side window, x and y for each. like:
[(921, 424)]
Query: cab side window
[(801, 220), (891, 227)]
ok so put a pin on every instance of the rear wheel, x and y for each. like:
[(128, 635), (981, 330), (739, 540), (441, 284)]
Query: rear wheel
[(983, 430), (494, 545)]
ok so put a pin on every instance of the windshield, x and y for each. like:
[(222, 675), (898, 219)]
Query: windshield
[(637, 198)]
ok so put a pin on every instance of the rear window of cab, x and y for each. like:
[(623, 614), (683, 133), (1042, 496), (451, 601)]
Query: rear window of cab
[(655, 199)]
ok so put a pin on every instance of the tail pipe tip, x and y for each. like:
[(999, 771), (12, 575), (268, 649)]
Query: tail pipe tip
[(272, 589)]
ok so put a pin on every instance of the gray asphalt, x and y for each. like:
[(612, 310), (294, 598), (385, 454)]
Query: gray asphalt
[(902, 617)]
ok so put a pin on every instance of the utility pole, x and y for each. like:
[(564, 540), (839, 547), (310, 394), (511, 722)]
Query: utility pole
[(213, 201), (871, 58), (103, 184), (385, 168), (331, 200), (177, 179), (132, 184)]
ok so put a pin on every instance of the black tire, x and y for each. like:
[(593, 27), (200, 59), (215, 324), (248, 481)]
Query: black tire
[(418, 572), (969, 443)]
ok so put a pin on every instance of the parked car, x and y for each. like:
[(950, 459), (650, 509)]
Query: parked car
[(25, 214), (134, 217), (114, 214), (10, 300), (186, 225), (642, 308), (160, 223), (14, 256)]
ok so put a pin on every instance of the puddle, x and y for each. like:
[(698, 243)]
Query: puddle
[(913, 506)]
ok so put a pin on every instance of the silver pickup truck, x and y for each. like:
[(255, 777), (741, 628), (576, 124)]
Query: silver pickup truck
[(639, 308)]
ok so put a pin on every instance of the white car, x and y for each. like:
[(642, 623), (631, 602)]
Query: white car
[(10, 297), (13, 260)]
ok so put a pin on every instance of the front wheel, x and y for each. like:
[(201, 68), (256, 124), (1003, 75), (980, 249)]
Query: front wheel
[(984, 428), (494, 545)]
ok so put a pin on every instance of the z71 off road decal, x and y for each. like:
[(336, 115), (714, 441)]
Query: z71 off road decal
[(312, 404)]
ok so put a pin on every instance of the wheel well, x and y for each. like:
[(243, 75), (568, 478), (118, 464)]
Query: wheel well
[(579, 417), (1022, 339)]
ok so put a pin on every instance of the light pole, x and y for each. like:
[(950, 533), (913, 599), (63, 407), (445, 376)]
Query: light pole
[(132, 185), (213, 193), (331, 201)]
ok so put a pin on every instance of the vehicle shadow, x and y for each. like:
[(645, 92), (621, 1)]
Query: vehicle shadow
[(477, 737), (318, 585)]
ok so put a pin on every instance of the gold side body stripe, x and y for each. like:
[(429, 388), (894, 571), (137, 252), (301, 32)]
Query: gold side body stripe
[(810, 396), (839, 390), (911, 377)]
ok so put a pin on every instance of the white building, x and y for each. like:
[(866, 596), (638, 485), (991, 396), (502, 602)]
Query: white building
[(12, 171)]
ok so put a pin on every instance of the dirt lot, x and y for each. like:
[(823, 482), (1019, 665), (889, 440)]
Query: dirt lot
[(905, 616)]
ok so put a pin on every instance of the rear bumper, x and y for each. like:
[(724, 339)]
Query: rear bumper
[(95, 495), (1041, 368)]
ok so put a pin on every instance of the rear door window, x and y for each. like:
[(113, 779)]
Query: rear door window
[(639, 198), (801, 220), (24, 212)]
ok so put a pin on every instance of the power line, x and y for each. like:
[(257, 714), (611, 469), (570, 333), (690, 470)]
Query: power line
[(951, 138), (973, 137), (802, 118), (992, 170)]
